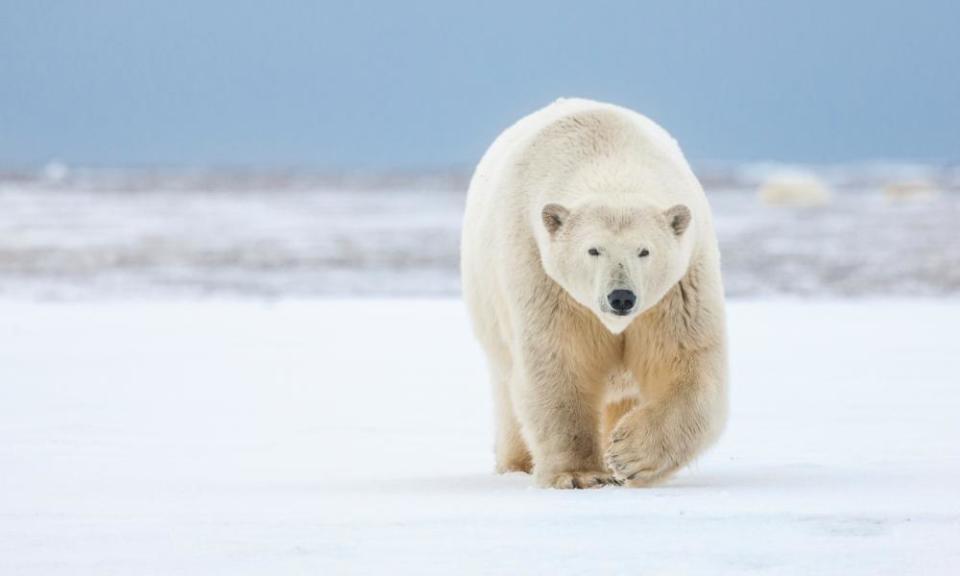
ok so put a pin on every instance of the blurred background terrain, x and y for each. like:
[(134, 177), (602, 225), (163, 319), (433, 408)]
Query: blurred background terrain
[(885, 230)]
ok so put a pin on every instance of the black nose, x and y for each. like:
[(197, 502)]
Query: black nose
[(622, 300)]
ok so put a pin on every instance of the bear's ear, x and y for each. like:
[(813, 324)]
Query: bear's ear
[(554, 215), (678, 218)]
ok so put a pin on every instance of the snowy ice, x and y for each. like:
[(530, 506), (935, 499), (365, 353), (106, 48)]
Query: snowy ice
[(354, 437)]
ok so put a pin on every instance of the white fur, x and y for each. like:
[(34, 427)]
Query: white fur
[(585, 397)]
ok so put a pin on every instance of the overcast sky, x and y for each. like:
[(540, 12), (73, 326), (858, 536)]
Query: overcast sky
[(427, 84)]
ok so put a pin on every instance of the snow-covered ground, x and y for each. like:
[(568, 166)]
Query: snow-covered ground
[(353, 437)]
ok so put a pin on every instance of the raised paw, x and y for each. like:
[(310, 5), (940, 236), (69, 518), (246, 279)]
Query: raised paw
[(639, 459), (578, 479)]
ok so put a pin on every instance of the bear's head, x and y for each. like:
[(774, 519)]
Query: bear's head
[(616, 261)]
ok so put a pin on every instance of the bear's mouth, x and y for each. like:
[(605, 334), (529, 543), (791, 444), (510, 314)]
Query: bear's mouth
[(620, 313)]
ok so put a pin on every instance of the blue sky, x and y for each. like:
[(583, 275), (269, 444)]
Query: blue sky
[(427, 84)]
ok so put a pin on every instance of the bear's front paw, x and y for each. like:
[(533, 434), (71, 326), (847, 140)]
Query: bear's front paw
[(577, 479), (640, 455)]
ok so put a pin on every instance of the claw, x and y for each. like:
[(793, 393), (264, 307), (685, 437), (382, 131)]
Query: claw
[(580, 480)]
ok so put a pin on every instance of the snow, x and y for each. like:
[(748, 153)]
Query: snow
[(354, 437)]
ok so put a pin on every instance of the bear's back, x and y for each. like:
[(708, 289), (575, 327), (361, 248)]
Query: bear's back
[(535, 160)]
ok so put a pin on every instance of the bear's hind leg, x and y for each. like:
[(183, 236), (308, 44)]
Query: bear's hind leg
[(511, 450)]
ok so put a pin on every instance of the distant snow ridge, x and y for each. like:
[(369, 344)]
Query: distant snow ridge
[(890, 230), (794, 188), (918, 190)]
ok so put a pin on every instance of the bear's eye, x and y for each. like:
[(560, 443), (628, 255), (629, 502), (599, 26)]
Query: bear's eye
[(644, 253), (593, 252)]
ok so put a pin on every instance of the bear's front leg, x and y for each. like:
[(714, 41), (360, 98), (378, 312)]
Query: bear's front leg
[(653, 441), (558, 411)]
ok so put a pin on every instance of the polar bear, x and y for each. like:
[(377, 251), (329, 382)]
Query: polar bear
[(591, 272)]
